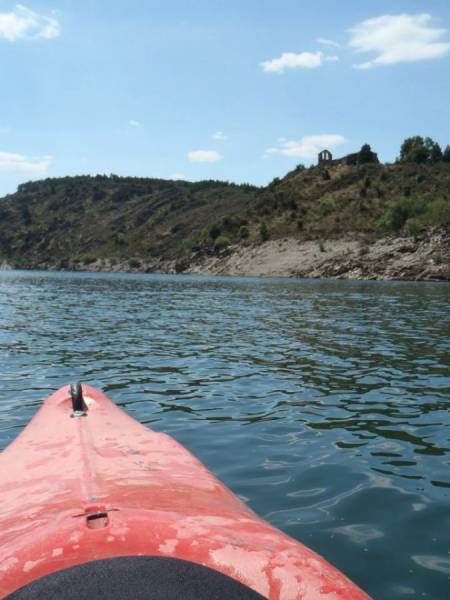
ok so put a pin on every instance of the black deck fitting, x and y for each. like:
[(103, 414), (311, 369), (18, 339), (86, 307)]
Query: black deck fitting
[(78, 404)]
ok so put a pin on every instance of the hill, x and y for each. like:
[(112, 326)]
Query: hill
[(115, 223)]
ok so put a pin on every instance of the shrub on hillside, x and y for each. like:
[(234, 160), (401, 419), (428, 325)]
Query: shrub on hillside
[(196, 241), (415, 214), (221, 243), (396, 215), (437, 213), (243, 232), (263, 232), (214, 231), (413, 227)]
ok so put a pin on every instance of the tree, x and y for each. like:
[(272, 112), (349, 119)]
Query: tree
[(365, 155), (416, 149), (275, 181), (436, 153), (429, 145), (446, 155)]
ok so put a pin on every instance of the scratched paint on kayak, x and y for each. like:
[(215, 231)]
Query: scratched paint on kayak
[(86, 488)]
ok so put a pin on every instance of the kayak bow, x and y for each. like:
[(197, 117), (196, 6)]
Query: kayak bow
[(85, 482)]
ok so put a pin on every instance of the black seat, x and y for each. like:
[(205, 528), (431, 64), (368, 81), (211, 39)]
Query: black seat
[(136, 578)]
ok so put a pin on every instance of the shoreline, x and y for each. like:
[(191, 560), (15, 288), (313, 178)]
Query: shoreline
[(354, 257), (396, 258)]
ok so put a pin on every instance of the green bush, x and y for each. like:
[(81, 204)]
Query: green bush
[(437, 213), (395, 216), (230, 223), (415, 214), (243, 232), (221, 243), (196, 241), (263, 232), (413, 227)]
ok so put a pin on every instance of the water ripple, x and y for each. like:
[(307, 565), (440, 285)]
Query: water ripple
[(325, 405)]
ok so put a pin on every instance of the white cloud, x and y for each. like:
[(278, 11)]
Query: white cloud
[(204, 156), (219, 135), (24, 24), (291, 60), (326, 42), (308, 146), (133, 123), (177, 176), (332, 58), (10, 161), (398, 38)]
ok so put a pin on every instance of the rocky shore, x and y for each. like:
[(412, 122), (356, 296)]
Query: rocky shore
[(399, 258), (357, 257)]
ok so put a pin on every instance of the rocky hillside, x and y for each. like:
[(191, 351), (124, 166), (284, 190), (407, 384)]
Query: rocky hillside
[(73, 221), (112, 223)]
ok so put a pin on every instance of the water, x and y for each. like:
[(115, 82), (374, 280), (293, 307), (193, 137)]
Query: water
[(323, 404)]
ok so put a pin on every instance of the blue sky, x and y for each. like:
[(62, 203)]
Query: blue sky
[(224, 89)]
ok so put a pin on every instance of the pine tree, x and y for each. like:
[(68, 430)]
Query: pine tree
[(415, 149), (446, 155), (365, 155), (436, 153)]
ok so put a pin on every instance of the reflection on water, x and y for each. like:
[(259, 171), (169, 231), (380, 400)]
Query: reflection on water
[(323, 404)]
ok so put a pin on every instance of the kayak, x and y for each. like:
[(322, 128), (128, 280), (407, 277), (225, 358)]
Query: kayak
[(94, 504)]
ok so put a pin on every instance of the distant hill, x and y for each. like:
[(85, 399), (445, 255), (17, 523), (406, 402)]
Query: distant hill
[(140, 223)]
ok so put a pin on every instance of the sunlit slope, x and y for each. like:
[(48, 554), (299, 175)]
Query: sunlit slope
[(72, 221)]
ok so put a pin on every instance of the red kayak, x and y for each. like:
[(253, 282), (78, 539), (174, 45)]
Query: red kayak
[(95, 505)]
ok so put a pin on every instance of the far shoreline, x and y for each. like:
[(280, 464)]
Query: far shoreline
[(350, 258)]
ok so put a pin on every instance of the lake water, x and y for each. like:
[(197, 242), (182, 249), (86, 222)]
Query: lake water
[(323, 404)]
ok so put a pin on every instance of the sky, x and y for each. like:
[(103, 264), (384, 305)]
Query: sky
[(238, 90)]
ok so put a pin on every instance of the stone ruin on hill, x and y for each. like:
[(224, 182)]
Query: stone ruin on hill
[(364, 156)]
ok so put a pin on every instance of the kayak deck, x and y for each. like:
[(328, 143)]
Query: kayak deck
[(85, 488)]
